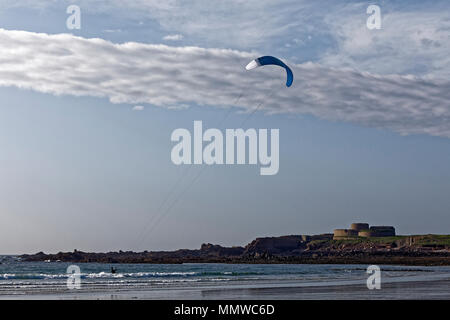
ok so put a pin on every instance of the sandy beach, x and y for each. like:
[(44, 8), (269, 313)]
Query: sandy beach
[(422, 287)]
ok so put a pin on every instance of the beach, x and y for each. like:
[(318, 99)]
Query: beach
[(26, 280), (414, 290)]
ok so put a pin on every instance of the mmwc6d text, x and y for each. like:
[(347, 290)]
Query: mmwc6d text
[(235, 144)]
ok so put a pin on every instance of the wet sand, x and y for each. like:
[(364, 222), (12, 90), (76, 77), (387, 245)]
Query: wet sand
[(389, 291), (395, 289)]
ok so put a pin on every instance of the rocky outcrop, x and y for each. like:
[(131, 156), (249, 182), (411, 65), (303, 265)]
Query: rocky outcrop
[(407, 250), (275, 245), (216, 250), (290, 245)]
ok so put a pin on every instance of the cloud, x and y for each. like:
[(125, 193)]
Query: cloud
[(166, 76), (231, 23), (138, 108), (173, 37), (409, 42), (112, 30), (414, 38)]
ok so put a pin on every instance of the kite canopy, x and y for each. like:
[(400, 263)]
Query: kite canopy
[(269, 60)]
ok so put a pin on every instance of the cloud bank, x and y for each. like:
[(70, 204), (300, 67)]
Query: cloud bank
[(414, 38), (166, 76)]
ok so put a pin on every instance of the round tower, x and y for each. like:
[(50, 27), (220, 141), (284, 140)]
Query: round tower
[(359, 226)]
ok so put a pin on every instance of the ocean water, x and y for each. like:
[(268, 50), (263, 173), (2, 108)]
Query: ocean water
[(49, 279)]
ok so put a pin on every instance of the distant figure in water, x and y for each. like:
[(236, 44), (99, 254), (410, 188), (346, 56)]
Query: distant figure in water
[(113, 270)]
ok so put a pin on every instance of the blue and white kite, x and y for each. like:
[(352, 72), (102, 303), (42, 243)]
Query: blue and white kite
[(269, 60)]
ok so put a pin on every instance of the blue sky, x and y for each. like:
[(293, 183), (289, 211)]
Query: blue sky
[(364, 130)]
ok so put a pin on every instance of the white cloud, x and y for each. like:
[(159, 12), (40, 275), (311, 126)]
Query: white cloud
[(173, 37), (409, 42), (138, 108), (112, 30), (231, 23), (414, 38), (177, 76)]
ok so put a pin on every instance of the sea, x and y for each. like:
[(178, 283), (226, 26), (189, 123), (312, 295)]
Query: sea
[(51, 280)]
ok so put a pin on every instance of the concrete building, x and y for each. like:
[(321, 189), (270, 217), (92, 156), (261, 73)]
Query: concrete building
[(363, 230), (343, 234)]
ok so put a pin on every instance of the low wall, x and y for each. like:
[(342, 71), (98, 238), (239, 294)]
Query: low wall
[(341, 234), (382, 231), (365, 234)]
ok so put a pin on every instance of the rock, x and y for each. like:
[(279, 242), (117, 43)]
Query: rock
[(274, 245)]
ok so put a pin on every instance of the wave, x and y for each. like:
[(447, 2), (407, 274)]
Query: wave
[(108, 275)]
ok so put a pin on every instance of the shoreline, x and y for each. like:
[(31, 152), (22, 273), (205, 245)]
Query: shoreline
[(393, 289), (38, 280)]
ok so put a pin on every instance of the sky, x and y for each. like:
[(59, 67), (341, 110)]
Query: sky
[(86, 117)]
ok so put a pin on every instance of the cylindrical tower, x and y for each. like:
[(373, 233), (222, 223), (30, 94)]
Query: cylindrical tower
[(359, 226)]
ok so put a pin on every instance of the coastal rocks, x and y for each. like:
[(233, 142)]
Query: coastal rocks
[(406, 250), (274, 245), (218, 250)]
